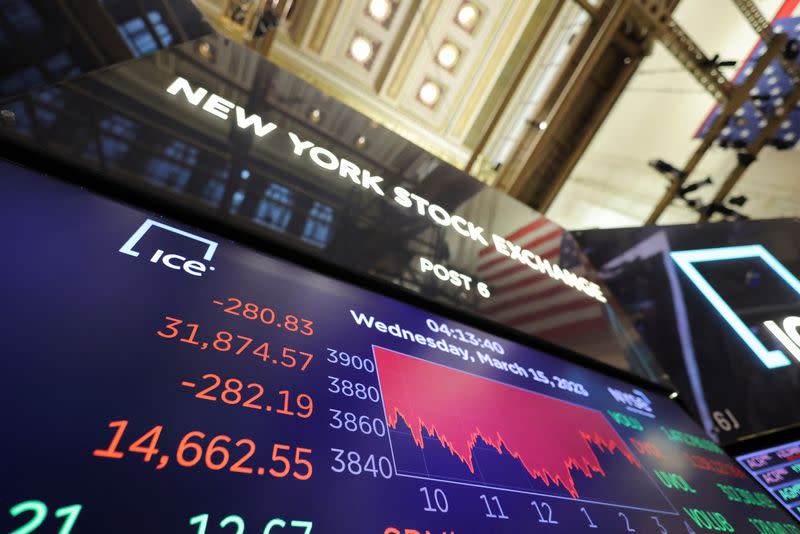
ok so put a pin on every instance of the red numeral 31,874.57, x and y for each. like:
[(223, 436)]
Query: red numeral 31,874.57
[(224, 341)]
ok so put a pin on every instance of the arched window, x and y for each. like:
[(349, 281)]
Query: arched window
[(317, 229), (138, 36), (174, 168), (275, 207)]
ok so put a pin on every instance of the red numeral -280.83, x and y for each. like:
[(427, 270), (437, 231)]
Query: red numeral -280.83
[(254, 312), (214, 454)]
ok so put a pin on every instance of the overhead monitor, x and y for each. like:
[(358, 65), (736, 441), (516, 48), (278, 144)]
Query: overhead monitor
[(720, 309), (160, 378)]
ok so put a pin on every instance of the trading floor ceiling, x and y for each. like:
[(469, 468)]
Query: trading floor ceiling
[(560, 103), (656, 117), (436, 71)]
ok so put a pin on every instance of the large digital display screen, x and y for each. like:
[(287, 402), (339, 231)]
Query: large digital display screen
[(778, 470), (719, 307), (159, 378)]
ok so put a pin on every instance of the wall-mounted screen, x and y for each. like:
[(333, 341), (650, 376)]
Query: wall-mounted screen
[(162, 379), (778, 470)]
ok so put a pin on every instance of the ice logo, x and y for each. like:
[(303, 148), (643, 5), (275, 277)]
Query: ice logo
[(636, 401), (788, 335), (173, 261)]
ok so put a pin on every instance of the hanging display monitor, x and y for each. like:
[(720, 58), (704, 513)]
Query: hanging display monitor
[(160, 378), (720, 308), (778, 470)]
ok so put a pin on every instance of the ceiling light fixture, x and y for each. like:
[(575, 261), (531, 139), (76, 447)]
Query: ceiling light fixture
[(448, 55), (361, 141), (315, 115), (206, 51), (467, 16), (361, 49), (429, 93), (380, 10)]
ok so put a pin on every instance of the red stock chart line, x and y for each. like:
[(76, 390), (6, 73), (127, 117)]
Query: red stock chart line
[(552, 439)]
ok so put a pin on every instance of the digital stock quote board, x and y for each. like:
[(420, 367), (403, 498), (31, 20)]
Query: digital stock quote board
[(159, 378), (778, 470)]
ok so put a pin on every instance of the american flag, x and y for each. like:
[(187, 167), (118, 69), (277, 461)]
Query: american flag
[(531, 301), (767, 95)]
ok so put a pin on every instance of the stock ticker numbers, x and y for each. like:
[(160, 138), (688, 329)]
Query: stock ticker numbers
[(449, 443), (778, 470), (267, 316), (238, 525), (163, 450), (234, 392), (34, 513), (224, 341), (216, 453)]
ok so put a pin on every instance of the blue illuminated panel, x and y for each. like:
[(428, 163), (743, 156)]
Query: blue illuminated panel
[(686, 260)]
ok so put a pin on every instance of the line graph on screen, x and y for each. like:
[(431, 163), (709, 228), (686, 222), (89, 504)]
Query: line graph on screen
[(452, 426)]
